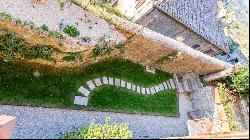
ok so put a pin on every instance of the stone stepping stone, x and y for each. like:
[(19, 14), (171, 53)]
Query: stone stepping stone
[(143, 90), (157, 88), (161, 87), (134, 87), (129, 86), (169, 86), (172, 83), (152, 90), (117, 82), (111, 81), (123, 83), (148, 91), (98, 82), (91, 85), (81, 100), (105, 80), (138, 89), (165, 85), (84, 91)]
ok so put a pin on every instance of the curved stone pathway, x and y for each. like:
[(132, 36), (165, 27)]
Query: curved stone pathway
[(93, 84)]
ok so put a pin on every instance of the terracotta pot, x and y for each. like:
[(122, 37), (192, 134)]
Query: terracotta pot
[(7, 124)]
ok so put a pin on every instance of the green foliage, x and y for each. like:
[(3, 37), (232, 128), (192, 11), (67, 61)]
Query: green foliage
[(168, 59), (18, 22), (111, 9), (73, 56), (241, 81), (6, 16), (120, 46), (29, 25), (94, 2), (98, 131), (228, 106), (44, 28), (56, 34), (40, 51), (71, 31), (101, 50), (62, 3), (11, 45)]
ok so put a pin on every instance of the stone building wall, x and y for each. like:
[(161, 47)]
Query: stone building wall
[(165, 25)]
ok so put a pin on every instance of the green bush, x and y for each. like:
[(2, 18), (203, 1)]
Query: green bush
[(98, 131), (6, 16), (101, 50), (11, 45), (40, 51), (69, 58), (241, 80), (228, 106), (44, 28), (71, 31)]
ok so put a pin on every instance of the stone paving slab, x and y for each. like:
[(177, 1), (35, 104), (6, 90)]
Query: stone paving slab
[(129, 86), (133, 87), (98, 82), (91, 85), (169, 86), (84, 91), (161, 87), (138, 89), (143, 90), (117, 82), (111, 81), (148, 91), (81, 100), (123, 83), (172, 83), (165, 85), (157, 88), (105, 80), (152, 90)]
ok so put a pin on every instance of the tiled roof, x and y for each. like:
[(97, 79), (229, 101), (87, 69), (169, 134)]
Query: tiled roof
[(200, 16)]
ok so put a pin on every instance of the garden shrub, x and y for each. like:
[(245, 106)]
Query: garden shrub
[(40, 51), (98, 131), (241, 81), (69, 58), (101, 50), (6, 16), (71, 31), (120, 46), (44, 28), (11, 45), (228, 106)]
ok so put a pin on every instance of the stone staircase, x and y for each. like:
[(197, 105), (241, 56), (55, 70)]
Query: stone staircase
[(188, 83)]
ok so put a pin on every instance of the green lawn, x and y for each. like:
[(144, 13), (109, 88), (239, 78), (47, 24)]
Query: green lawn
[(58, 87)]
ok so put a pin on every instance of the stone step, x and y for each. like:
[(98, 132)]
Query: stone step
[(91, 85), (84, 91), (98, 82), (105, 80), (81, 100)]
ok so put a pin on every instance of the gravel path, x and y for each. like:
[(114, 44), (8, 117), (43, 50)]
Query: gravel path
[(44, 123), (50, 14)]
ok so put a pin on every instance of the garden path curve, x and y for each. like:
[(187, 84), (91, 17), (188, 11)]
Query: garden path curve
[(93, 84)]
